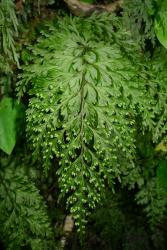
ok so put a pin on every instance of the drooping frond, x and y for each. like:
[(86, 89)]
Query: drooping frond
[(8, 28), (138, 17), (86, 82), (153, 106)]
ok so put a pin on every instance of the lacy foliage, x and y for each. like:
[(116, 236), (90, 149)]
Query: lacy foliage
[(87, 82), (8, 29), (154, 199), (138, 16), (154, 108), (24, 220)]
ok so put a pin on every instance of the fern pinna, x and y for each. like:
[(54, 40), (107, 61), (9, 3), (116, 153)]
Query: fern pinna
[(85, 81)]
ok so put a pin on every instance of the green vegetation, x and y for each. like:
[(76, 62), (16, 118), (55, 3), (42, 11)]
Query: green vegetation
[(83, 125)]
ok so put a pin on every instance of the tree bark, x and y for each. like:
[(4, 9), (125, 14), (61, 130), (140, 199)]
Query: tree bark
[(79, 8)]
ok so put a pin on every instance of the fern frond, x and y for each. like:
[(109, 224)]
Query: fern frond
[(154, 200), (8, 29), (24, 220), (86, 88), (81, 109), (138, 17), (153, 106)]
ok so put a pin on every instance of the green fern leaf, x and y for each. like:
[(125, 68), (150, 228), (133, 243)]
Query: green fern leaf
[(85, 84), (24, 221)]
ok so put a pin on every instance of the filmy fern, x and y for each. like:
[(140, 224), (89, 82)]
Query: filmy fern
[(24, 220), (8, 28), (154, 111), (138, 16), (154, 199), (85, 80)]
